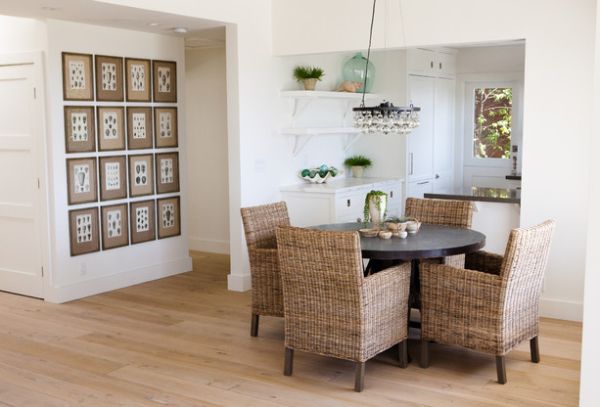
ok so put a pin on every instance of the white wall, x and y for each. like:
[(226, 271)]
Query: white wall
[(590, 356), (22, 35), (115, 268), (557, 34), (208, 171)]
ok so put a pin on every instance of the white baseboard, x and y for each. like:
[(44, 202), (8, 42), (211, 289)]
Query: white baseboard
[(70, 292), (236, 282), (209, 245), (561, 309)]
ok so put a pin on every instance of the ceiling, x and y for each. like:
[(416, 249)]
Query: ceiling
[(98, 13)]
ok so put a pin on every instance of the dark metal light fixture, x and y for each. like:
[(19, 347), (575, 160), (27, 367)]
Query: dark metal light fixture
[(384, 118)]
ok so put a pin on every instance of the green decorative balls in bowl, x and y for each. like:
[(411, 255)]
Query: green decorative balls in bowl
[(319, 175)]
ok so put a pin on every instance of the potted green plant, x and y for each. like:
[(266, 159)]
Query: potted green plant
[(375, 206), (308, 75), (357, 164)]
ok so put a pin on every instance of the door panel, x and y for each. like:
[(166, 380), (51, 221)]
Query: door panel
[(443, 145), (420, 140), (20, 245)]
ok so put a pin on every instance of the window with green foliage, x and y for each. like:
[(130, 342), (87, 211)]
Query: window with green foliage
[(493, 123)]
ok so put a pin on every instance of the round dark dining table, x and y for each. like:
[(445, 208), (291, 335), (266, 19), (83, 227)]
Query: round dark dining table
[(431, 241)]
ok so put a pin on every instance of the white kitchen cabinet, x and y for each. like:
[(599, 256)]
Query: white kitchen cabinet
[(445, 64), (421, 90), (338, 201), (443, 136), (429, 62), (417, 189)]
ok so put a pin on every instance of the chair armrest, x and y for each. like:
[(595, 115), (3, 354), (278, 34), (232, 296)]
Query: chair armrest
[(460, 305), (393, 282), (490, 263), (264, 258)]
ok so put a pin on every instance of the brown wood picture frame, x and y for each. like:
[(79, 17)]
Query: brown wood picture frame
[(168, 213), (81, 180), (142, 221), (113, 177), (167, 173), (140, 133), (111, 128), (165, 127), (141, 175), (83, 231), (164, 80), (137, 80), (115, 226), (78, 76), (80, 129), (109, 78)]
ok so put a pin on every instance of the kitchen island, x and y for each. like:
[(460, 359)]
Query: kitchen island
[(496, 212)]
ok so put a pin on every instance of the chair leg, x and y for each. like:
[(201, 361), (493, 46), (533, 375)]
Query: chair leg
[(288, 366), (424, 361), (254, 325), (403, 353), (534, 346), (501, 369), (359, 377)]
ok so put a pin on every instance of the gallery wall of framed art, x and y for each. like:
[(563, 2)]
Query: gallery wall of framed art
[(122, 150)]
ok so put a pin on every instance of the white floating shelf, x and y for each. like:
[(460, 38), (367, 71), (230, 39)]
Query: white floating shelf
[(302, 135), (320, 94)]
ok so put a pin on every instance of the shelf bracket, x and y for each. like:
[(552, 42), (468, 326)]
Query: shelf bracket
[(299, 143), (350, 140)]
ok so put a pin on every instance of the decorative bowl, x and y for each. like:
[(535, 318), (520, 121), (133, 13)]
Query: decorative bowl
[(319, 175), (368, 232), (413, 226), (385, 234), (396, 226)]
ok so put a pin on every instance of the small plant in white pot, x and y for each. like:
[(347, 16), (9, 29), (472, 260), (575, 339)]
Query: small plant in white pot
[(308, 75), (357, 164), (375, 206)]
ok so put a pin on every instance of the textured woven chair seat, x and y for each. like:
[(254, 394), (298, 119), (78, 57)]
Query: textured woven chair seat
[(331, 309), (492, 305), (260, 223)]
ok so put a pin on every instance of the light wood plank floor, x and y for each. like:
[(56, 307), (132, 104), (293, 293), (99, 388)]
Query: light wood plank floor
[(184, 341)]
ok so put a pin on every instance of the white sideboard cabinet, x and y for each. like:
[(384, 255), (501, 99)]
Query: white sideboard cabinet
[(338, 201)]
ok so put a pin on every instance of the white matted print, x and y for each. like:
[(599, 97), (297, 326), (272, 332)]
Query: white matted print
[(142, 219), (164, 79), (79, 127), (115, 226), (168, 215), (82, 178), (84, 228), (109, 76), (169, 220), (137, 76), (77, 77), (166, 171), (113, 176), (141, 173), (111, 129), (165, 120), (114, 223), (165, 125), (139, 125)]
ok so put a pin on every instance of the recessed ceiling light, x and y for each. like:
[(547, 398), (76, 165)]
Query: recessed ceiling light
[(180, 30), (153, 24), (49, 8)]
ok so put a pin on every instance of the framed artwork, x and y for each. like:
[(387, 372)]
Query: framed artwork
[(83, 230), (142, 221), (164, 74), (78, 81), (109, 78), (141, 175), (81, 180), (167, 173), (115, 226), (111, 128), (165, 127), (80, 129), (139, 128), (113, 178), (137, 80), (168, 213)]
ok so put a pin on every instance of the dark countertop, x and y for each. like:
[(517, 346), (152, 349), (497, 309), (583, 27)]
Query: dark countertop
[(482, 194), (514, 177)]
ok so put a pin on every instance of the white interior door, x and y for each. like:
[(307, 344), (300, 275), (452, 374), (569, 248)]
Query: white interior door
[(20, 196)]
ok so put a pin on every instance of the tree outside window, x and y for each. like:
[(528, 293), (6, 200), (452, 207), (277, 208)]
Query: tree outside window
[(493, 123)]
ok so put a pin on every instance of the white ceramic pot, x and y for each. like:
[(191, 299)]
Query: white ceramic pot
[(310, 84), (357, 171), (377, 212)]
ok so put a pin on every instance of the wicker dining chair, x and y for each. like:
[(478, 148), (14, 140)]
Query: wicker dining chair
[(260, 223), (331, 309), (492, 305), (442, 212)]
